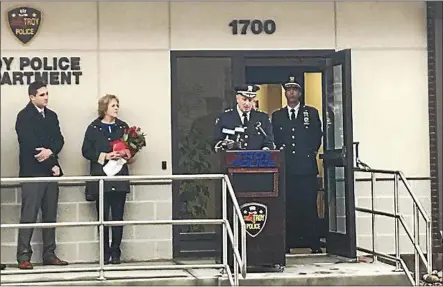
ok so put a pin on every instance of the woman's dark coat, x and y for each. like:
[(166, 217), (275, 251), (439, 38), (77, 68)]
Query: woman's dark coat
[(97, 140)]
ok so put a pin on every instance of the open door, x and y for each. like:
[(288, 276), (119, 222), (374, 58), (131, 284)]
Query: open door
[(338, 154)]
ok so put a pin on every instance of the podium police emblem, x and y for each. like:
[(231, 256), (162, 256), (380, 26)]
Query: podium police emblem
[(254, 215), (24, 23)]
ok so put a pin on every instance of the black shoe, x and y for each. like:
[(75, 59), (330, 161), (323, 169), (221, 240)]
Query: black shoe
[(316, 250), (115, 260), (107, 258), (2, 266)]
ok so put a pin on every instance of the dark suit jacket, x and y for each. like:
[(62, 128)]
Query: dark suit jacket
[(97, 140), (253, 139), (299, 138), (33, 131)]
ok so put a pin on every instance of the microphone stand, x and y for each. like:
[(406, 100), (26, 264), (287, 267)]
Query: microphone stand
[(260, 129)]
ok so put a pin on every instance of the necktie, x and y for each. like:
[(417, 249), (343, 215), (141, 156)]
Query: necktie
[(245, 119), (42, 113), (292, 114)]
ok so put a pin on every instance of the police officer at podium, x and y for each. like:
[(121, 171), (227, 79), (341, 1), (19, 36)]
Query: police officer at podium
[(243, 127), (297, 131)]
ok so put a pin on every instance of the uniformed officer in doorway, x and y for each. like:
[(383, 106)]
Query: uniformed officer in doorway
[(243, 127), (297, 130)]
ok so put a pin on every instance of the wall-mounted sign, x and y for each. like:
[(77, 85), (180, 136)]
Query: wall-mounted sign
[(254, 26), (24, 22), (51, 70)]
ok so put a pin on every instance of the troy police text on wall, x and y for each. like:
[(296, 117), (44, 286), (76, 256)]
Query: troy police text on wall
[(52, 70)]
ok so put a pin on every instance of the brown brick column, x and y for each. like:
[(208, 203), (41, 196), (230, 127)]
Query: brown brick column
[(434, 38)]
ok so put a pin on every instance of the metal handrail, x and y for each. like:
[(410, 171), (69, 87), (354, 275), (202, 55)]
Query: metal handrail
[(237, 216), (239, 260), (406, 183), (399, 220)]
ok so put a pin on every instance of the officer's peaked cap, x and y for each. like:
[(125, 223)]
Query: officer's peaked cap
[(249, 91), (291, 83)]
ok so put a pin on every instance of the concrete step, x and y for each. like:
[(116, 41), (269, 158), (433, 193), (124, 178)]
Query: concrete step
[(310, 270)]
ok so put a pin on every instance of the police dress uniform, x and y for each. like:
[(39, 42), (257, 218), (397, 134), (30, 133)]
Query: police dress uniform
[(298, 132), (252, 130), (249, 130)]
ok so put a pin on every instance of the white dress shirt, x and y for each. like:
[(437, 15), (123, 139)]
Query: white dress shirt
[(296, 108), (40, 111), (240, 113)]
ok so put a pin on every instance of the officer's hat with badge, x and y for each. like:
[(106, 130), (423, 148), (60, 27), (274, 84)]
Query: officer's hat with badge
[(291, 83), (249, 91)]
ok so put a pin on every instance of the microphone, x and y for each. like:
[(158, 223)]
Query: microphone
[(230, 143), (260, 129)]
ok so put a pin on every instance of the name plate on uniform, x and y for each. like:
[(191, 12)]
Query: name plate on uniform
[(253, 173)]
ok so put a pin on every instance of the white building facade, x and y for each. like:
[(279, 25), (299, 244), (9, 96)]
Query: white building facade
[(125, 49)]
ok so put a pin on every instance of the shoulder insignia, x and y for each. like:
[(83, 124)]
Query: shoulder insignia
[(228, 110)]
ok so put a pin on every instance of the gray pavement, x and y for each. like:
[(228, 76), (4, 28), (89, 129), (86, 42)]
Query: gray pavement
[(299, 270)]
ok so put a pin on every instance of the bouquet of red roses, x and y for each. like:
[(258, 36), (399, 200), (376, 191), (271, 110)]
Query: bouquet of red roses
[(133, 141)]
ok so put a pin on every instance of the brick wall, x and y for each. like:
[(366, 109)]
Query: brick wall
[(435, 97), (384, 201), (80, 244)]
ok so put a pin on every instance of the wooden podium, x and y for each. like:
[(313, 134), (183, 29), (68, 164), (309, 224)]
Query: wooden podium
[(258, 179)]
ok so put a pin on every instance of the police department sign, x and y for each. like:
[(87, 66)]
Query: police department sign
[(24, 22), (65, 70), (254, 215)]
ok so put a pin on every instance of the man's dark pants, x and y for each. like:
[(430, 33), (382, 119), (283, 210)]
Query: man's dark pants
[(301, 209), (36, 196)]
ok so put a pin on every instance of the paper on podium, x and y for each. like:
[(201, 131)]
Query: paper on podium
[(114, 166)]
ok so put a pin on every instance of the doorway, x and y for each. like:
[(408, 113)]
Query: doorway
[(270, 98), (208, 90)]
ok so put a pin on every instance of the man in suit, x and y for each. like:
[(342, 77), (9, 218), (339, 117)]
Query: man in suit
[(297, 130), (243, 127), (40, 141)]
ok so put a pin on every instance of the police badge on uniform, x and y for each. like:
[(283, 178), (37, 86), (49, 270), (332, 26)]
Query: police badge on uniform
[(254, 215), (306, 121), (24, 22)]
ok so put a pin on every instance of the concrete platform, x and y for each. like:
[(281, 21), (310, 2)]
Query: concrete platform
[(300, 270)]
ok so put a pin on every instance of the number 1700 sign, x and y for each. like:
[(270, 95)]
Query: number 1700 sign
[(255, 26)]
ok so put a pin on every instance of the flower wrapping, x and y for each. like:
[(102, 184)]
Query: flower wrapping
[(132, 141)]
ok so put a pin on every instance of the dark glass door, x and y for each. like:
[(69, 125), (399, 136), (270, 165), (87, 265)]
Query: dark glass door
[(338, 154), (201, 89)]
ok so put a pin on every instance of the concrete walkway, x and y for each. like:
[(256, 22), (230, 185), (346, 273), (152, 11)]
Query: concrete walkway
[(307, 270)]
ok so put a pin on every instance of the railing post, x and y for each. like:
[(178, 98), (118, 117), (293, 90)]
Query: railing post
[(235, 243), (225, 218), (416, 243), (101, 228), (373, 181), (397, 227), (243, 251), (429, 246)]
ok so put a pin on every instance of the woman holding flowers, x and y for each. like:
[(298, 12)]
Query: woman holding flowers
[(99, 149)]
